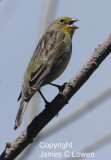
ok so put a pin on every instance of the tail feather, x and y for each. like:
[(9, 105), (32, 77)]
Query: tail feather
[(20, 114)]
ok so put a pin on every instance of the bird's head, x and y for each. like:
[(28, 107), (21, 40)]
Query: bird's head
[(65, 24)]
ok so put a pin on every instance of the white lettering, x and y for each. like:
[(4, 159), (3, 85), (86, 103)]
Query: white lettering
[(66, 154)]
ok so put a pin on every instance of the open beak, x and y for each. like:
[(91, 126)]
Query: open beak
[(71, 23)]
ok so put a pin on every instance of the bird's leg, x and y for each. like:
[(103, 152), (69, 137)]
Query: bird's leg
[(46, 102), (60, 87)]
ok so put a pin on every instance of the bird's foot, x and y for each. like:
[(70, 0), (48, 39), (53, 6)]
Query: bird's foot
[(60, 87)]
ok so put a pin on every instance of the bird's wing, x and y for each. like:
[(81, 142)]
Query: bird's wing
[(36, 79)]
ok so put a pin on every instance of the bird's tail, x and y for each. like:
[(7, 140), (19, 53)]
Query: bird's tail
[(20, 114)]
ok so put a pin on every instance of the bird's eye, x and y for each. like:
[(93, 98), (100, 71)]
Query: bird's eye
[(62, 20)]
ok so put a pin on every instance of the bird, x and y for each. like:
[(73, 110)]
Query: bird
[(48, 61)]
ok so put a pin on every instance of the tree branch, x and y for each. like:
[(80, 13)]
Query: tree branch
[(40, 121)]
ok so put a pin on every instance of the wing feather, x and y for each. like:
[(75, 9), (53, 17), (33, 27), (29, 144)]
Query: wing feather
[(37, 79)]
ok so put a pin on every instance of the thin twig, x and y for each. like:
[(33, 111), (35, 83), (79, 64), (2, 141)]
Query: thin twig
[(95, 144)]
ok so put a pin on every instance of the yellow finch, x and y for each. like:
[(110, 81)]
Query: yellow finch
[(48, 62)]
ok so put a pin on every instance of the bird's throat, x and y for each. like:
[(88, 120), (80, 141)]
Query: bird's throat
[(69, 31)]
